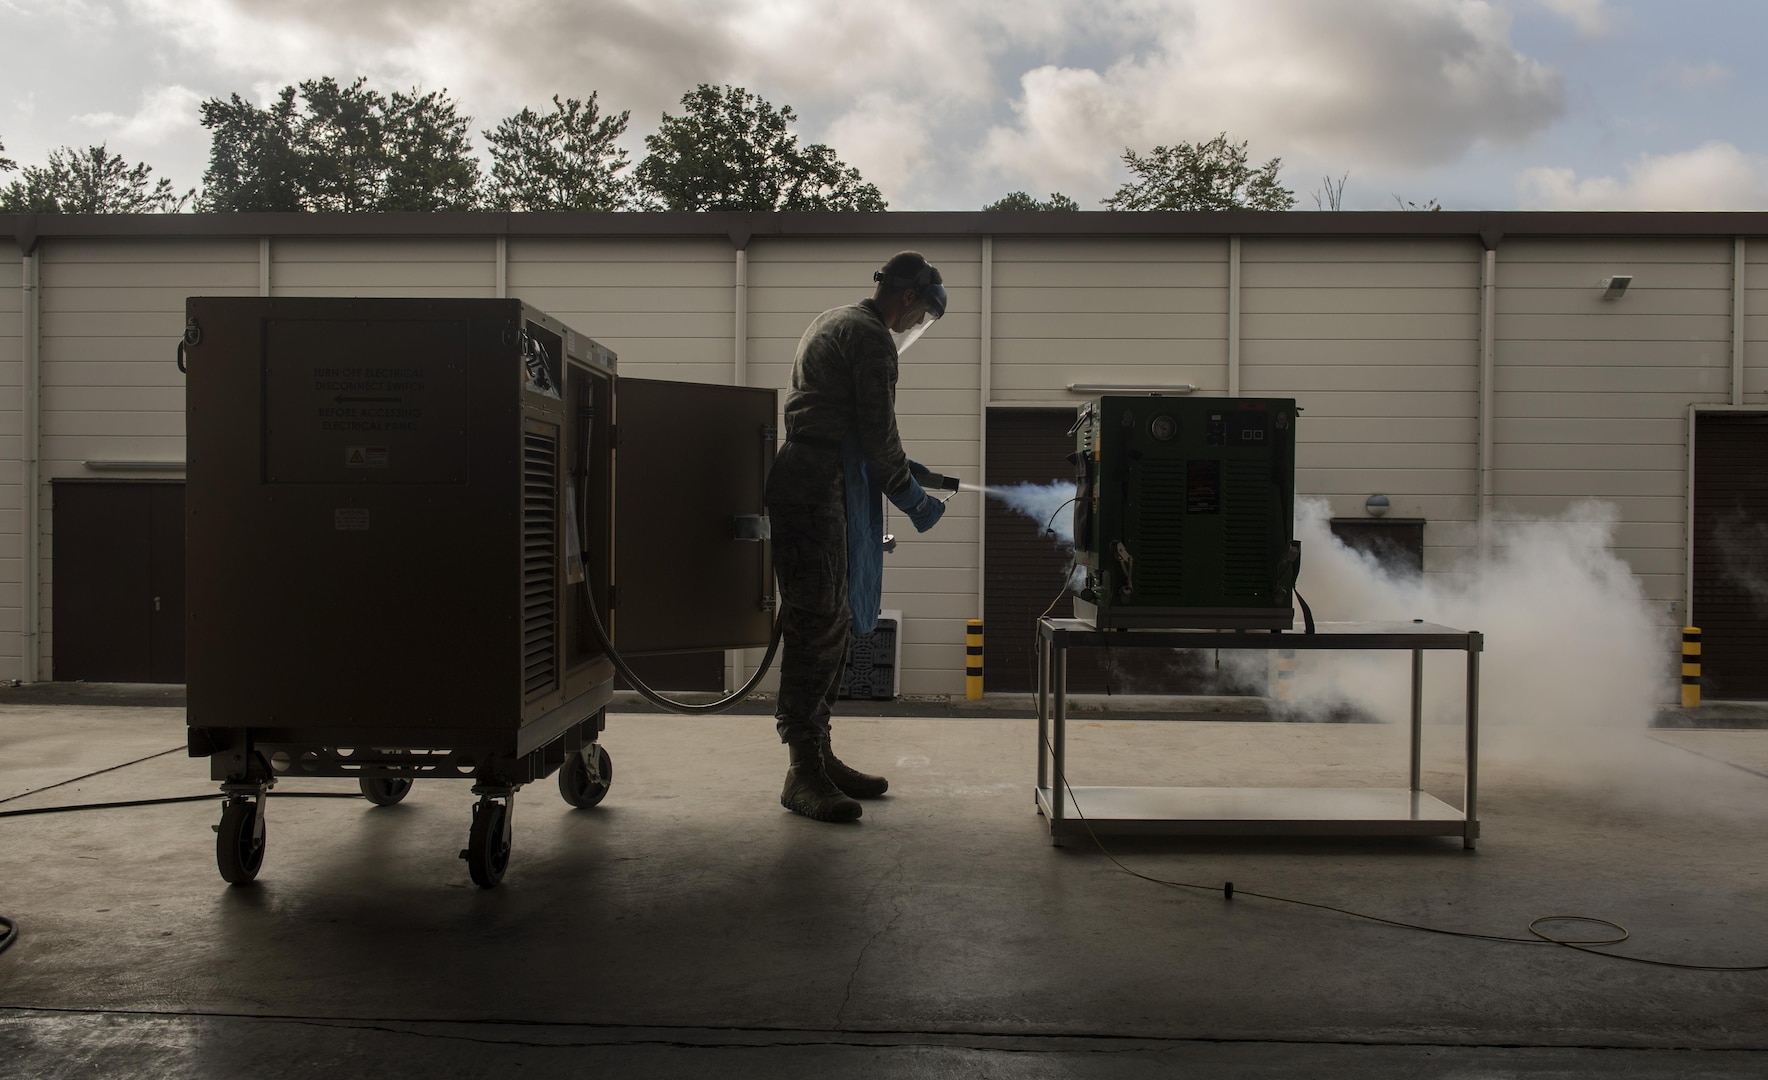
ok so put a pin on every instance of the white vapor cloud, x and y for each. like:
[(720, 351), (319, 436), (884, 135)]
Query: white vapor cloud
[(1713, 176), (164, 112), (1386, 83)]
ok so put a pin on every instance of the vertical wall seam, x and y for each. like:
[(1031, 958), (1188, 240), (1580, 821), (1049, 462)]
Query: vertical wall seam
[(1688, 525), (1487, 396), (740, 355), (502, 255), (1738, 286), (985, 364), (1233, 316), (263, 266), (736, 668), (31, 416)]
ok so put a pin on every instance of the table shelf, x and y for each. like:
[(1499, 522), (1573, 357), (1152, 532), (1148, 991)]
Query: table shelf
[(1247, 811)]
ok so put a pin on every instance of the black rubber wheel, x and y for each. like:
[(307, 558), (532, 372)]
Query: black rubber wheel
[(384, 792), (488, 853), (239, 842), (577, 786)]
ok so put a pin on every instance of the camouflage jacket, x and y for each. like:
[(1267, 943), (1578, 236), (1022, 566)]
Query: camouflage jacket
[(844, 380)]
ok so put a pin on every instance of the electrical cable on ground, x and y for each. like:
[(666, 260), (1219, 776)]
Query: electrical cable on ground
[(1539, 937), (95, 772), (11, 933)]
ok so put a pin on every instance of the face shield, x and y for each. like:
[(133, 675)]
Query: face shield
[(931, 299)]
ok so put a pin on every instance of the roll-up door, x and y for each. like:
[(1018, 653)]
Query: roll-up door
[(1025, 570), (1731, 553)]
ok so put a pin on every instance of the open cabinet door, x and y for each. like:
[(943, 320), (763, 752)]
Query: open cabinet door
[(691, 464)]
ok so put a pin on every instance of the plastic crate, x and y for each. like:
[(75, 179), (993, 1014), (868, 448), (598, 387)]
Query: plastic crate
[(871, 672)]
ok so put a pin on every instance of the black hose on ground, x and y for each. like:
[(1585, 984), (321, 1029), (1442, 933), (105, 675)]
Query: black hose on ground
[(683, 707)]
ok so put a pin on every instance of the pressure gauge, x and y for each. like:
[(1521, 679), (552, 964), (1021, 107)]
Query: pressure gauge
[(1164, 428)]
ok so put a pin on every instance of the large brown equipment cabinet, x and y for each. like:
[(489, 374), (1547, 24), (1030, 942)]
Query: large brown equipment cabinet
[(393, 507)]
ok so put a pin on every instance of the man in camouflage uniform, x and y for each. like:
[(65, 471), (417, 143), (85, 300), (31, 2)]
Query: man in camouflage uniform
[(843, 384)]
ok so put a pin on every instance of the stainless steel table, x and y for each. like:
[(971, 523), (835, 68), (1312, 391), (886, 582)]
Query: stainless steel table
[(1221, 811)]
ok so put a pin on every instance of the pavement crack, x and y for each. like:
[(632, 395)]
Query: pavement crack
[(896, 916)]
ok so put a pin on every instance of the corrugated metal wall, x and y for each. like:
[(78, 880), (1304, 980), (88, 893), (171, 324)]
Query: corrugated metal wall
[(1379, 339)]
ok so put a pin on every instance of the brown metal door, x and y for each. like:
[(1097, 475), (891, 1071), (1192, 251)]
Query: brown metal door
[(689, 459), (118, 588), (1025, 571), (1731, 553)]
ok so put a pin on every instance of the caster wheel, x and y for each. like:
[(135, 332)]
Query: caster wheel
[(239, 842), (579, 788), (488, 845), (384, 792)]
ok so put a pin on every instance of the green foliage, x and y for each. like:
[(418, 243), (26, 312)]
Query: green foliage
[(90, 181), (6, 163), (330, 147), (1211, 175), (563, 160), (1020, 200), (731, 150)]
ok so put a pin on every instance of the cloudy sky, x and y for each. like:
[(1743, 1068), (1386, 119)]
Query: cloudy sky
[(1481, 104)]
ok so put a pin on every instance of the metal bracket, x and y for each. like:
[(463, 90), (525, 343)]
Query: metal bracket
[(756, 527)]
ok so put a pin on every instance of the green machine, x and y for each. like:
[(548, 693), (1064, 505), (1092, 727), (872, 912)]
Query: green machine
[(1185, 513)]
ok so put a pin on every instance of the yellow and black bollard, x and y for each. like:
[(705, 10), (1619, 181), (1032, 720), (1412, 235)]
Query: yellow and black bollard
[(973, 661), (1691, 667)]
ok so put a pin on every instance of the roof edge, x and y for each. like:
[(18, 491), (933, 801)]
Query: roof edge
[(1485, 227)]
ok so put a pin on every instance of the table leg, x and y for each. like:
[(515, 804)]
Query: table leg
[(1043, 713), (1471, 801), (1417, 719), (1059, 732)]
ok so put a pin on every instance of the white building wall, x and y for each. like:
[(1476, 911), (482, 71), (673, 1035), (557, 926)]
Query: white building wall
[(112, 314), (1378, 342), (1592, 395), (1127, 311), (12, 507), (1755, 322), (1377, 337), (666, 307)]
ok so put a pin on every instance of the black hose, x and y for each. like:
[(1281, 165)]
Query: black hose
[(11, 933), (723, 703)]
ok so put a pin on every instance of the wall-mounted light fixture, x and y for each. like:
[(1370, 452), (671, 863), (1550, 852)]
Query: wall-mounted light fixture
[(1613, 288), (1376, 505), (1107, 388)]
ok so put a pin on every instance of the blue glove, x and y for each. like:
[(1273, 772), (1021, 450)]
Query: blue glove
[(923, 509)]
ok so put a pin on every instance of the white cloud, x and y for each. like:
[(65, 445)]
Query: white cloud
[(1593, 18), (165, 112), (1407, 83), (1713, 176), (885, 139), (1695, 76)]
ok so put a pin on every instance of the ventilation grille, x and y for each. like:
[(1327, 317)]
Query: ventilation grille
[(540, 562), (1159, 497), (1250, 500)]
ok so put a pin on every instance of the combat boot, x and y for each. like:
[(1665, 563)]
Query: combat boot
[(852, 782), (809, 791)]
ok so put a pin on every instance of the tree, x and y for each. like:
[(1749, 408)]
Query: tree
[(1211, 175), (731, 150), (326, 146), (6, 164), (1020, 200), (254, 162), (1332, 198), (90, 181), (563, 160)]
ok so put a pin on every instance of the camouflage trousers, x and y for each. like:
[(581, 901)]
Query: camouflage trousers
[(810, 565)]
